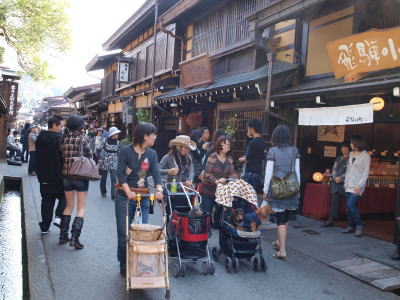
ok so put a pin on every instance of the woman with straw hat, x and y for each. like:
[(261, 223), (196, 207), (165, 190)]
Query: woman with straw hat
[(178, 163)]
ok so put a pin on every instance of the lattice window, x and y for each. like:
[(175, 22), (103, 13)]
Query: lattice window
[(225, 27)]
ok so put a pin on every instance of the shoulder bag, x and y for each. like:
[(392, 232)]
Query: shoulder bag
[(288, 186), (83, 168)]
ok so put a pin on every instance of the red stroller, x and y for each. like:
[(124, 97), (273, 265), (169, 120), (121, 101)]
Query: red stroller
[(188, 231)]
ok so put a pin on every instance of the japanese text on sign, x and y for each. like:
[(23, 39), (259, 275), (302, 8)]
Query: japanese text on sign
[(365, 52), (11, 108)]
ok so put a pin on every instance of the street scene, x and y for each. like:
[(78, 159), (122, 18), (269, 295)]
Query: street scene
[(176, 149)]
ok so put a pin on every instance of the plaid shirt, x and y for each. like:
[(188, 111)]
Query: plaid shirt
[(70, 144), (215, 170)]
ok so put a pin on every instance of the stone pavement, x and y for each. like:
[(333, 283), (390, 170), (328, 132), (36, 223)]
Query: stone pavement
[(60, 272)]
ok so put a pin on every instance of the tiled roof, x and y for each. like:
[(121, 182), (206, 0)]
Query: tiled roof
[(230, 81)]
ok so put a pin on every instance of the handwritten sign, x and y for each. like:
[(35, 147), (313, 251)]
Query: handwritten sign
[(196, 71), (123, 74), (329, 151), (369, 51), (340, 115), (331, 133)]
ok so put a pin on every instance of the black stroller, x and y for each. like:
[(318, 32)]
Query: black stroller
[(188, 231), (236, 244)]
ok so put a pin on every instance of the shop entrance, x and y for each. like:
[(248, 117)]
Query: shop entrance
[(319, 145)]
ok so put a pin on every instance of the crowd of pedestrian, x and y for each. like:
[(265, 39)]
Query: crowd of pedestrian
[(195, 161)]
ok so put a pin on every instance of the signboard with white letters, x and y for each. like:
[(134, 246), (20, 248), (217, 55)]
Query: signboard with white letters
[(341, 115)]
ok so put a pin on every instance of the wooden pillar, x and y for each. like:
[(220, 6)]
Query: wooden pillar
[(3, 136)]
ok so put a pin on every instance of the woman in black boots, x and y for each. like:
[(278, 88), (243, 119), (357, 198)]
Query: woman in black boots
[(73, 188)]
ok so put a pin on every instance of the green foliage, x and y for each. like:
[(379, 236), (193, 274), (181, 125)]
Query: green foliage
[(34, 27), (143, 115), (126, 141), (230, 126)]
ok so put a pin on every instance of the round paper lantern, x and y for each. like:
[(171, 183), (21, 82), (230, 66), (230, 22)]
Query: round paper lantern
[(318, 177), (378, 103)]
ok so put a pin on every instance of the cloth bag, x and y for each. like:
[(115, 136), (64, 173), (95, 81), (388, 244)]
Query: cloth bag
[(287, 186), (83, 168)]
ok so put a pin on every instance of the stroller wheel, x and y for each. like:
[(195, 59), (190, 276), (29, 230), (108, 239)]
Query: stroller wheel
[(182, 271), (211, 269), (175, 270), (255, 264), (205, 268), (236, 264), (228, 264), (263, 264), (215, 253)]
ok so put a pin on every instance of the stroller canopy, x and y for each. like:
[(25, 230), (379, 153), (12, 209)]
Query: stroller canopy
[(239, 188)]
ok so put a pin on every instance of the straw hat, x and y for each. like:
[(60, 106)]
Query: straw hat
[(113, 130), (183, 140)]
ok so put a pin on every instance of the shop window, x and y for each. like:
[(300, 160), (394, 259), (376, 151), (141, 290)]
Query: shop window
[(225, 27), (322, 31)]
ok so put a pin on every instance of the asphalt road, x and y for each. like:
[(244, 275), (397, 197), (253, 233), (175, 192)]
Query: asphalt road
[(93, 273)]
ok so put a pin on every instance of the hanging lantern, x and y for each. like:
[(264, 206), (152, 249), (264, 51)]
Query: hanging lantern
[(318, 177), (378, 103)]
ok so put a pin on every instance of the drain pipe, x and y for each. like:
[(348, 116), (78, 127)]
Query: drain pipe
[(268, 96), (154, 60)]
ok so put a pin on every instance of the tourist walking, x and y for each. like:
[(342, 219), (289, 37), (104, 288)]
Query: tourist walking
[(354, 183), (33, 134), (76, 190), (49, 172), (135, 162), (98, 141), (337, 185), (254, 156), (219, 168), (25, 143), (282, 159), (108, 161), (178, 163)]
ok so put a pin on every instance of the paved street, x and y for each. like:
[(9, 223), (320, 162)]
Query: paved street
[(63, 273)]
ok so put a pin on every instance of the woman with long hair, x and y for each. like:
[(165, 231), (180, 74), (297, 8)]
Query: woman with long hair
[(282, 159), (135, 162), (76, 190), (356, 177), (219, 168), (177, 163)]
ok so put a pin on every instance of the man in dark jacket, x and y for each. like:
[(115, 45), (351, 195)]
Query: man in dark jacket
[(24, 142), (49, 172)]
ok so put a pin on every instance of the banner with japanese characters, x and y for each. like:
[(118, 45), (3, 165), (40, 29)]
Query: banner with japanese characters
[(369, 51), (340, 115)]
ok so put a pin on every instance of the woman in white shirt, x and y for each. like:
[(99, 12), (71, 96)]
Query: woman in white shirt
[(354, 183)]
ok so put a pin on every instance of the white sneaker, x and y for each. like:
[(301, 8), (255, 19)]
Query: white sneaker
[(57, 222), (46, 232)]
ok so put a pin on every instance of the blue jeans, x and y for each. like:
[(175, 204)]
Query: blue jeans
[(207, 203), (353, 215), (103, 182), (254, 179), (120, 215)]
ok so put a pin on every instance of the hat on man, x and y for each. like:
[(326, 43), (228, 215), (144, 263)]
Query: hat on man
[(183, 140), (113, 130)]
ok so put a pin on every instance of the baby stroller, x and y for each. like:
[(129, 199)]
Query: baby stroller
[(146, 251), (236, 244), (188, 231)]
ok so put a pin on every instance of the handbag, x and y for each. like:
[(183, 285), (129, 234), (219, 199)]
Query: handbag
[(288, 186), (83, 168)]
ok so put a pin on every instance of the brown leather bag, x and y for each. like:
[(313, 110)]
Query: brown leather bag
[(83, 168), (135, 190)]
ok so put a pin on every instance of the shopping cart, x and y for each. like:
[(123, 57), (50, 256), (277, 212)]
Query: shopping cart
[(146, 253)]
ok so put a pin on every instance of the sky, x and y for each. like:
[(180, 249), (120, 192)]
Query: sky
[(92, 22)]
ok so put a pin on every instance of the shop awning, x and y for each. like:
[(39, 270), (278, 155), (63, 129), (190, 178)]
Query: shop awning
[(340, 115), (238, 80)]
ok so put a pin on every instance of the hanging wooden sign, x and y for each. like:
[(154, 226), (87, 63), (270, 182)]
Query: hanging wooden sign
[(196, 71), (369, 51)]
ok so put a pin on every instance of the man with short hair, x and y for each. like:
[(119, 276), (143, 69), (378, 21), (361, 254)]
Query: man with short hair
[(254, 155), (25, 143), (49, 172), (12, 144)]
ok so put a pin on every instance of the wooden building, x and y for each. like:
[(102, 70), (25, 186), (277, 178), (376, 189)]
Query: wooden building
[(365, 28)]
